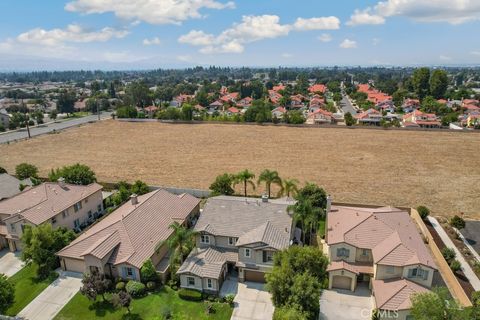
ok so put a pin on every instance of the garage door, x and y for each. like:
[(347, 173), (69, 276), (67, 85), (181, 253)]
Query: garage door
[(341, 282), (254, 276), (74, 265)]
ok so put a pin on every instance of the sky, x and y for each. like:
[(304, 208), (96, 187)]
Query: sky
[(145, 34)]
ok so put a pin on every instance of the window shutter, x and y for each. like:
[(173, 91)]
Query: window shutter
[(425, 274), (347, 253), (264, 256), (124, 272), (410, 273)]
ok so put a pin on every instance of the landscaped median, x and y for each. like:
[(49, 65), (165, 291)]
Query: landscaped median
[(27, 287), (164, 303)]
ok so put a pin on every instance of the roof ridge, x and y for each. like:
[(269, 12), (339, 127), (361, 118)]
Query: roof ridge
[(404, 285)]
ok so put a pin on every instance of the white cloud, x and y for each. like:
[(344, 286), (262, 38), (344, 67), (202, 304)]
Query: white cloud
[(150, 11), (348, 44), (251, 29), (151, 42), (325, 37), (376, 41), (450, 11), (445, 58), (73, 33), (287, 55), (321, 23), (184, 58), (365, 17)]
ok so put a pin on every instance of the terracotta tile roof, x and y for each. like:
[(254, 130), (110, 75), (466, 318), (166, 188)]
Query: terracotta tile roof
[(266, 234), (395, 294), (207, 263), (278, 88), (233, 110), (40, 203), (356, 268), (133, 231), (389, 232), (248, 218), (317, 88)]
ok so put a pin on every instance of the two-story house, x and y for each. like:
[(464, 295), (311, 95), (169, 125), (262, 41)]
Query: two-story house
[(237, 236), (119, 244), (60, 204), (380, 248)]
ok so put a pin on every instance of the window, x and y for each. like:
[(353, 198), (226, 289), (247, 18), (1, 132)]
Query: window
[(86, 200), (77, 206), (232, 241), (65, 213), (390, 269), (343, 253), (129, 272), (190, 281), (248, 253), (267, 256), (365, 252), (76, 223), (418, 273), (54, 220), (12, 226), (204, 238), (99, 208), (209, 283), (89, 214)]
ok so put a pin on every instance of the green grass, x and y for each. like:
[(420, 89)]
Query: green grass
[(151, 306), (27, 287), (321, 228)]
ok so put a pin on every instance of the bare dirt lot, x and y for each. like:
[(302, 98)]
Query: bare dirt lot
[(403, 168)]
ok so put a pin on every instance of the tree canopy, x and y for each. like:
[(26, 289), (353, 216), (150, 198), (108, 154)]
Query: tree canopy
[(75, 174), (223, 184), (7, 294)]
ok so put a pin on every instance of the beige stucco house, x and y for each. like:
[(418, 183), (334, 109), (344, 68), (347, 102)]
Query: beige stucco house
[(380, 248), (239, 236), (119, 244), (60, 204)]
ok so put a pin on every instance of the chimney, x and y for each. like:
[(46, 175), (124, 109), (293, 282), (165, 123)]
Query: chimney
[(61, 182), (329, 203), (134, 199), (264, 197)]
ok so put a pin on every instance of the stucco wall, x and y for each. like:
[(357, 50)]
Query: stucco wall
[(333, 252)]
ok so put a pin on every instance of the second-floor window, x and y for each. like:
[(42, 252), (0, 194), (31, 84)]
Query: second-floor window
[(232, 241), (12, 226), (343, 253), (418, 273), (76, 223), (77, 206), (248, 253), (365, 252), (205, 239), (54, 220), (267, 256), (65, 213), (390, 269)]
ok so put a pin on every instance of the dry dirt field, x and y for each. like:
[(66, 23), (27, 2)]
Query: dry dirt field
[(403, 168)]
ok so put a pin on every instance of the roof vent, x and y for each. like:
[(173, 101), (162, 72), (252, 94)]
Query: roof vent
[(264, 197), (61, 182), (134, 199)]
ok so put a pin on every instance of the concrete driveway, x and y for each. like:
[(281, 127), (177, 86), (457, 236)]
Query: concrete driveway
[(10, 262), (48, 303), (252, 302), (337, 304)]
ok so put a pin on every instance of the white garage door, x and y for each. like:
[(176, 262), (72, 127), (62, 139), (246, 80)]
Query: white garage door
[(74, 265), (342, 282)]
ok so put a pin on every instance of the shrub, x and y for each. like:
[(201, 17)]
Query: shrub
[(2, 170), (449, 254), (476, 266), (457, 222), (229, 298), (289, 313), (455, 265), (209, 308), (423, 211), (174, 288), (190, 295), (151, 285), (120, 286), (25, 170), (135, 288), (148, 271)]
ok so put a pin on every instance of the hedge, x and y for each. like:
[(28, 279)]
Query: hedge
[(135, 288), (189, 294)]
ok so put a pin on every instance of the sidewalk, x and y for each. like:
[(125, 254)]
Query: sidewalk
[(467, 270), (49, 303)]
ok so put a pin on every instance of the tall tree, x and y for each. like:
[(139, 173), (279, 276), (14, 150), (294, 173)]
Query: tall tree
[(306, 215), (421, 82), (181, 242), (438, 83), (437, 304), (223, 184), (25, 171), (245, 177), (289, 187), (7, 294), (66, 102), (138, 94), (269, 177), (75, 174)]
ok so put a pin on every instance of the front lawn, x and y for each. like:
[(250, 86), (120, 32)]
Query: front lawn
[(27, 287), (152, 306)]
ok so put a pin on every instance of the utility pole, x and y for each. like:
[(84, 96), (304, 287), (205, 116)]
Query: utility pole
[(27, 118), (98, 110)]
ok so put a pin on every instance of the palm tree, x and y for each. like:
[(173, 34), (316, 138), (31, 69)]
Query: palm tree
[(269, 177), (305, 214), (289, 186), (245, 177), (180, 243)]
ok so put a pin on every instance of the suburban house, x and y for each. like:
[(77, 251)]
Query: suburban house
[(215, 106), (279, 112), (380, 249), (410, 105), (369, 117), (245, 102), (421, 119), (60, 204), (274, 96), (317, 88), (10, 186), (236, 236), (119, 244), (320, 116), (4, 118)]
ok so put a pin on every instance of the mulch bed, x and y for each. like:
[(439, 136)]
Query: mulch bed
[(467, 287)]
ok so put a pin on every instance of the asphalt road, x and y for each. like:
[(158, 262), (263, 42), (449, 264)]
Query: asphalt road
[(346, 106), (36, 131), (472, 234)]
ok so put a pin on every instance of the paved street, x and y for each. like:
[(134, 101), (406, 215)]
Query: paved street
[(48, 303), (22, 134), (10, 262), (346, 106)]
